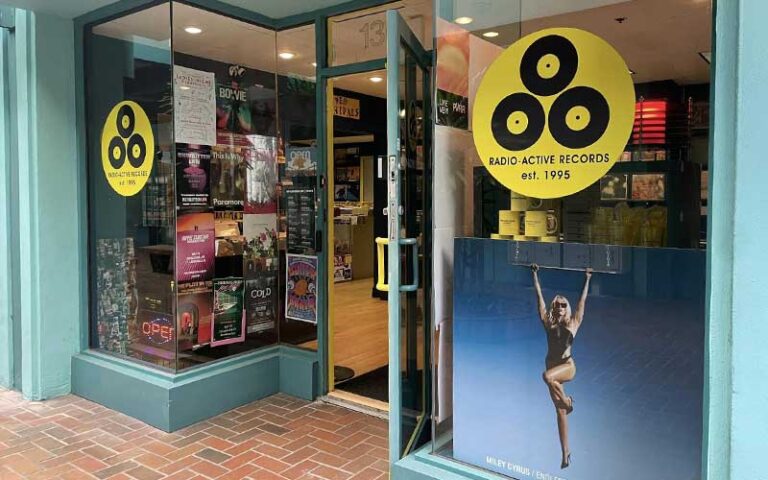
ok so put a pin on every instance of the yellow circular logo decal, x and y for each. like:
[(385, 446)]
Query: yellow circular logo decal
[(127, 148), (553, 113)]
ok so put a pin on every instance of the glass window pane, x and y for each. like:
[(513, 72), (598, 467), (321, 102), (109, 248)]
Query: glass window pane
[(297, 163), (227, 161), (640, 230), (131, 186)]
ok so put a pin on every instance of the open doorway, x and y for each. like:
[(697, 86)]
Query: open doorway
[(357, 310)]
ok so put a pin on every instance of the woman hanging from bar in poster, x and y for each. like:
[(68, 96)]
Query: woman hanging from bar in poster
[(561, 326)]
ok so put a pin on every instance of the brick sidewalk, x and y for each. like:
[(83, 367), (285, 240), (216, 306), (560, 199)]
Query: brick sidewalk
[(276, 438)]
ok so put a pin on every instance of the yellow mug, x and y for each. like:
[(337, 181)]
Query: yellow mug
[(509, 222)]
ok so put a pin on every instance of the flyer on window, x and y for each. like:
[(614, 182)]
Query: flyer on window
[(194, 96), (228, 164), (261, 244), (261, 302), (193, 165), (228, 324), (301, 288), (300, 161), (194, 312), (195, 244), (261, 175)]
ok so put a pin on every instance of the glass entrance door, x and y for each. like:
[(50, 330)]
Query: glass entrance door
[(409, 167)]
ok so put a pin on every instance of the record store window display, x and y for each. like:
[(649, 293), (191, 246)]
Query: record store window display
[(186, 245), (573, 171)]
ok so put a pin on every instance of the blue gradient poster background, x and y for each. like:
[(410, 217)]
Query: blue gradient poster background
[(638, 388)]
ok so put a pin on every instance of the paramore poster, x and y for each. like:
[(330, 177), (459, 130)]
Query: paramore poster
[(301, 288), (572, 372)]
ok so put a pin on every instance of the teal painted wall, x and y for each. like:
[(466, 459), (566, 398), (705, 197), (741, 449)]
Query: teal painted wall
[(49, 264), (749, 370), (6, 305)]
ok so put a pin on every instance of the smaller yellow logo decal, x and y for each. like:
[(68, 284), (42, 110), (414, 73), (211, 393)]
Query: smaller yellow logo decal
[(553, 113), (127, 148)]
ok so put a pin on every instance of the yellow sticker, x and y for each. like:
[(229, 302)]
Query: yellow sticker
[(127, 148), (553, 113)]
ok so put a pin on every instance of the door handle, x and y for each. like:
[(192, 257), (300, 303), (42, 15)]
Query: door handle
[(381, 284), (415, 246)]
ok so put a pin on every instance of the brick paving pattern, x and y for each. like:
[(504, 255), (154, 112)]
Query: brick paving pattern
[(277, 438)]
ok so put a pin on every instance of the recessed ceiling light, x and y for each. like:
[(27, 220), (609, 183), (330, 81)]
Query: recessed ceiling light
[(464, 20), (314, 64), (376, 79), (193, 30), (286, 55), (706, 56), (491, 34)]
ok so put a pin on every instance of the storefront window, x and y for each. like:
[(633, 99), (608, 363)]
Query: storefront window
[(131, 186), (297, 164), (569, 311), (188, 182)]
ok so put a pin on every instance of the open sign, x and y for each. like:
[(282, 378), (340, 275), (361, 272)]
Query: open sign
[(157, 329)]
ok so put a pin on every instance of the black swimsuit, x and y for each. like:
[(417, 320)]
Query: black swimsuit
[(559, 341)]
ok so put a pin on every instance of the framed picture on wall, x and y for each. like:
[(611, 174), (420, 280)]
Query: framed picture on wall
[(648, 186), (614, 187)]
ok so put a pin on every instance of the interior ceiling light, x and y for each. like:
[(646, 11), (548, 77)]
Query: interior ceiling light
[(706, 56), (314, 64), (193, 30), (464, 20), (491, 34), (286, 55), (376, 79)]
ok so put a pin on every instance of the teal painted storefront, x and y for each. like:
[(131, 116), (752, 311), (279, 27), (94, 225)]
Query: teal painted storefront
[(43, 250)]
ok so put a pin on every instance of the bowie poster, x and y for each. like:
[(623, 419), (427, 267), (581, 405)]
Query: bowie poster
[(301, 288), (193, 164), (195, 244), (228, 324), (565, 372)]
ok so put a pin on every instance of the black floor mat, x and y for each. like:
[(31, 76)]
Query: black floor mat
[(370, 385)]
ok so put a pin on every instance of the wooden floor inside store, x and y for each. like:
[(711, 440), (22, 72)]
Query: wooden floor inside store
[(359, 327)]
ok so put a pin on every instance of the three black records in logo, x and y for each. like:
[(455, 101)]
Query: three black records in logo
[(127, 143), (553, 112), (127, 148), (547, 68)]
